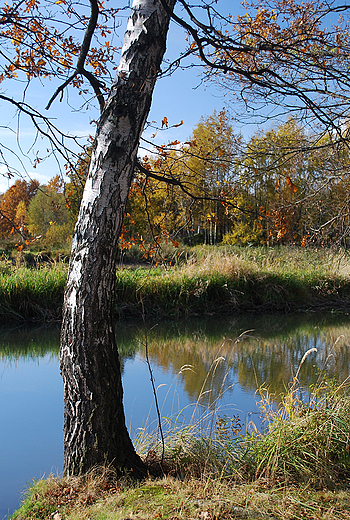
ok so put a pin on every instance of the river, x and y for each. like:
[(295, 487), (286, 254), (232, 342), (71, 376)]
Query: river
[(195, 363)]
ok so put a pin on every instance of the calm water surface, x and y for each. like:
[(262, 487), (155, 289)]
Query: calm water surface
[(239, 355)]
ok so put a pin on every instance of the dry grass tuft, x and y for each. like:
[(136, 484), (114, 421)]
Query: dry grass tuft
[(59, 495), (168, 498), (218, 262)]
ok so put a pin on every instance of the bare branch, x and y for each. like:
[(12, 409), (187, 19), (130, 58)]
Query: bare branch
[(175, 182), (80, 69)]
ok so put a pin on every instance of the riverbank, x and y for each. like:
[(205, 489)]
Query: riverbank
[(299, 468), (204, 280), (174, 499)]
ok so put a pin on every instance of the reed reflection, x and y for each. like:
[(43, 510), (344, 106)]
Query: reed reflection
[(29, 342), (255, 351)]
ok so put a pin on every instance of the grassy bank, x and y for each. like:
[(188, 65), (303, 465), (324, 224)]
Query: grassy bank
[(203, 280), (31, 294), (174, 499), (299, 468)]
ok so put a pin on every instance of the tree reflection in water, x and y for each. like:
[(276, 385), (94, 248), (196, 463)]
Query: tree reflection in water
[(257, 350), (268, 354)]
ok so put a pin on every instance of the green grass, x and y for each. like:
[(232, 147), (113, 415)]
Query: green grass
[(173, 499), (203, 280), (236, 280), (32, 293), (304, 442)]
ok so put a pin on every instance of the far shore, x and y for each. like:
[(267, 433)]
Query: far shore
[(213, 280)]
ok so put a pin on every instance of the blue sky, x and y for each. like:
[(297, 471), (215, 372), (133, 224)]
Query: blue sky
[(181, 96)]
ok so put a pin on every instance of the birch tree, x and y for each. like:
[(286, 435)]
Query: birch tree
[(295, 64), (94, 422)]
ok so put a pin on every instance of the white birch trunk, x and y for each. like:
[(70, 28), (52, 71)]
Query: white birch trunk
[(94, 423)]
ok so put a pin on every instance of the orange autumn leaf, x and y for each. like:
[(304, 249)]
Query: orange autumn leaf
[(291, 185)]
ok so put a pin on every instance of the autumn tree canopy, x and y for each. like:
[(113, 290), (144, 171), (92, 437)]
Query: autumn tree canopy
[(292, 57), (270, 189), (276, 59), (48, 216), (13, 205), (273, 188), (60, 44)]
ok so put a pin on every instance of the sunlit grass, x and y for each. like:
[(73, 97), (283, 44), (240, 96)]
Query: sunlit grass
[(305, 439), (236, 279), (169, 499), (201, 280), (280, 259), (33, 293), (304, 442)]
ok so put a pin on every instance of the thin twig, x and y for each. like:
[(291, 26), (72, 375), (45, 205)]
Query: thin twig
[(154, 390), (156, 403)]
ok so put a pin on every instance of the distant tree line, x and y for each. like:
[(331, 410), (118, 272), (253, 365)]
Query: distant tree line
[(30, 213), (282, 186)]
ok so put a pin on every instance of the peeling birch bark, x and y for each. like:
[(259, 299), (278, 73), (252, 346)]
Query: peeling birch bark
[(94, 422)]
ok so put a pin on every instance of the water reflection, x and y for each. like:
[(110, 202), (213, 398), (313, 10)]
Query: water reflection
[(29, 342), (255, 350), (31, 411), (252, 351)]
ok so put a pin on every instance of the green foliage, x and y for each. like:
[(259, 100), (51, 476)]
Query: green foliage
[(48, 218), (6, 267), (213, 160), (278, 188), (46, 208), (205, 166), (59, 234)]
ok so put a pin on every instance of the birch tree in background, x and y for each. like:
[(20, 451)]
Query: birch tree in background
[(94, 422)]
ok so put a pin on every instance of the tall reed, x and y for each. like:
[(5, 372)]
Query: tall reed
[(306, 437), (32, 293)]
